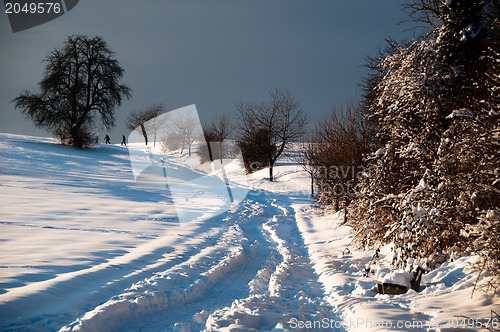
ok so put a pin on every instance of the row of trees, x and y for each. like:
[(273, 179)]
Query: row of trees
[(81, 84), (263, 133)]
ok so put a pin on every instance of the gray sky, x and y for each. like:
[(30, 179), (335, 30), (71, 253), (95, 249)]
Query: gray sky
[(211, 53)]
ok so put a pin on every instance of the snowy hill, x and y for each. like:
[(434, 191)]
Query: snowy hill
[(85, 245)]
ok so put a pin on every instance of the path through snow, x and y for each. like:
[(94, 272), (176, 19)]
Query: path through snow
[(87, 248), (260, 278)]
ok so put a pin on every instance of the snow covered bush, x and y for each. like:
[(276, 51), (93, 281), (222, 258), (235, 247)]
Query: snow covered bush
[(395, 199), (256, 147), (488, 247), (172, 142), (436, 104)]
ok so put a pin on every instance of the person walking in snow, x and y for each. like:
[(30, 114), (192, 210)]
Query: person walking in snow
[(106, 139), (124, 142)]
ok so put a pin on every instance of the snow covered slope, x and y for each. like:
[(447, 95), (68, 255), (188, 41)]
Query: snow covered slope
[(84, 246)]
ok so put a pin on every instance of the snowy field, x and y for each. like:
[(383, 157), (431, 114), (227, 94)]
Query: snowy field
[(87, 246)]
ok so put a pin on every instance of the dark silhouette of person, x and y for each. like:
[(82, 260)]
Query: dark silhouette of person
[(106, 139), (124, 142)]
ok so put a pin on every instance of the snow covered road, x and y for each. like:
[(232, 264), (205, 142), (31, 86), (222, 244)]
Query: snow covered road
[(265, 286)]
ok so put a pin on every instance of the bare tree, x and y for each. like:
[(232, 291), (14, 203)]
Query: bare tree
[(254, 142), (429, 12), (273, 125), (220, 129), (136, 121), (306, 159), (147, 121), (188, 129), (336, 153), (215, 134), (156, 122)]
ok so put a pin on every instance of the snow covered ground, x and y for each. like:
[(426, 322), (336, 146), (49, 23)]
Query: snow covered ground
[(86, 246)]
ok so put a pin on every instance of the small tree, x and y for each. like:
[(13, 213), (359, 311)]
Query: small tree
[(188, 129), (205, 150), (221, 131), (156, 123), (80, 83), (215, 134), (136, 121), (147, 121), (306, 159), (272, 126)]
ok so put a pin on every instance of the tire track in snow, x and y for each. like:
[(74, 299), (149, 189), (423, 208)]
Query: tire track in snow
[(182, 284), (268, 282), (271, 283), (293, 289), (227, 286), (78, 288)]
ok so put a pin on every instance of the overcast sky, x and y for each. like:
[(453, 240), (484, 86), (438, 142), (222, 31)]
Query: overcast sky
[(212, 53)]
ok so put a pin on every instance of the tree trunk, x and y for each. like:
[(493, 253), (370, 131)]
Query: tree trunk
[(312, 185), (144, 133), (76, 140), (220, 151), (209, 147)]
